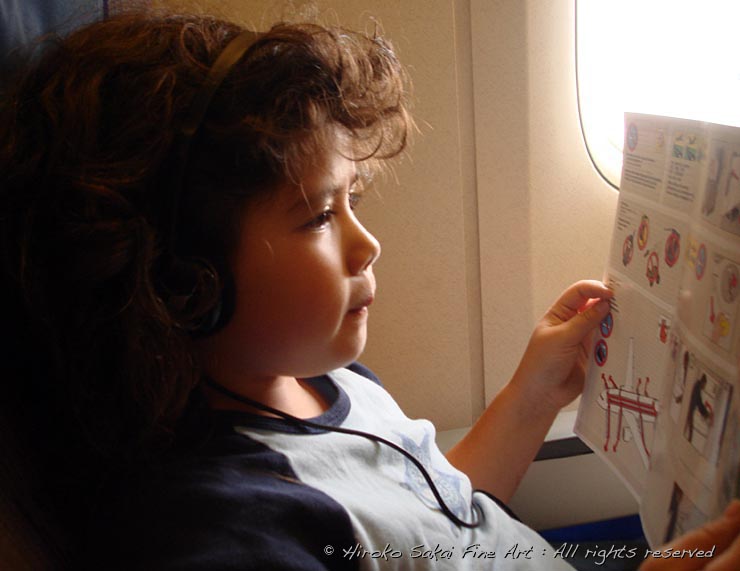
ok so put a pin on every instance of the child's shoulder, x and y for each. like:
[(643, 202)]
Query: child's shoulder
[(232, 500)]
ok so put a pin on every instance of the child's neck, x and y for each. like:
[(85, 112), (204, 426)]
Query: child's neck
[(288, 394)]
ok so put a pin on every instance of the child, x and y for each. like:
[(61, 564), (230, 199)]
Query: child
[(188, 289)]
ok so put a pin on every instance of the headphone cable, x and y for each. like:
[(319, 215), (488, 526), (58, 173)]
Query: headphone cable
[(373, 437)]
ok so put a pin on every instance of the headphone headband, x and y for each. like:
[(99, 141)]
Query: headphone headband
[(227, 59), (219, 316)]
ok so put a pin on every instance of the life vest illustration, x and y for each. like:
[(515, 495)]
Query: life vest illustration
[(653, 269), (643, 232)]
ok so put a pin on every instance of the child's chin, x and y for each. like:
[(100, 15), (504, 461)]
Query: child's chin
[(351, 355)]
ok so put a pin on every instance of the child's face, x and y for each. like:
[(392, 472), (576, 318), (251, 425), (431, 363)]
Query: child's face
[(303, 273)]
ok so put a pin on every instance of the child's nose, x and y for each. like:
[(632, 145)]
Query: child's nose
[(364, 249)]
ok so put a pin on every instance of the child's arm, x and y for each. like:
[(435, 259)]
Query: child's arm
[(498, 449)]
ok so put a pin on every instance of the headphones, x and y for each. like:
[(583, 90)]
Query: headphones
[(201, 289)]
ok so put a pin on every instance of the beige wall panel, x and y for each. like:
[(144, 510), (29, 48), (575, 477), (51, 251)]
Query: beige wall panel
[(545, 215), (571, 201)]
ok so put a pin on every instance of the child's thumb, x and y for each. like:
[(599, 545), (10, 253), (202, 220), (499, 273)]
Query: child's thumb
[(585, 322)]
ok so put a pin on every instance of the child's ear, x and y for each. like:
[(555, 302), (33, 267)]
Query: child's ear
[(199, 297)]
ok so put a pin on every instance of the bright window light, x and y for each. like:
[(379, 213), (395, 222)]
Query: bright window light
[(665, 57)]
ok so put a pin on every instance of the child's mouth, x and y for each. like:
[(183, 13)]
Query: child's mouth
[(361, 309)]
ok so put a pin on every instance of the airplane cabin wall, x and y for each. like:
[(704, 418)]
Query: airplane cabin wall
[(545, 215)]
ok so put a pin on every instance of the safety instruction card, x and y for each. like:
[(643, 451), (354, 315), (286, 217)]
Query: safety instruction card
[(661, 402)]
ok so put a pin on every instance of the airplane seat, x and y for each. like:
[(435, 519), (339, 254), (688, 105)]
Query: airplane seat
[(24, 527)]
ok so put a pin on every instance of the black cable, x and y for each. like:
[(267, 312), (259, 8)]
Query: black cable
[(374, 437)]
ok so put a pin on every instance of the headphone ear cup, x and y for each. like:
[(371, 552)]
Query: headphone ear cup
[(198, 297), (222, 312)]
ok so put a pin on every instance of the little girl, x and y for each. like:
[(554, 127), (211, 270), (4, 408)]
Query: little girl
[(188, 287)]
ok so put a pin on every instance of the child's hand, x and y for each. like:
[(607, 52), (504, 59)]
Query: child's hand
[(549, 376), (553, 367), (721, 535)]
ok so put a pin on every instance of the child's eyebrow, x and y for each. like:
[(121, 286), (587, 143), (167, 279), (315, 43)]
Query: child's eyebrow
[(322, 196)]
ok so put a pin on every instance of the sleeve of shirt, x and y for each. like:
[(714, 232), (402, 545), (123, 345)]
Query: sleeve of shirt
[(226, 517)]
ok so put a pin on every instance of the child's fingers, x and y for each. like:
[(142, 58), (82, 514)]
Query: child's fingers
[(718, 534), (573, 299), (727, 557), (729, 560), (583, 323)]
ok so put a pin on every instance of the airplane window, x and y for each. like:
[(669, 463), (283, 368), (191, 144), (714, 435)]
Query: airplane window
[(664, 57)]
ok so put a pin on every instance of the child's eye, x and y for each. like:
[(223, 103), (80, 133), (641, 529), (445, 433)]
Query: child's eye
[(320, 221)]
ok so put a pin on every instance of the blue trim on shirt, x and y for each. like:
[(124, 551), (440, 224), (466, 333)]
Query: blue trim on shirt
[(335, 415), (361, 369), (233, 505)]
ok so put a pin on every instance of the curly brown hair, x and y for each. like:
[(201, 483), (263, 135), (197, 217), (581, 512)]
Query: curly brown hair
[(100, 368)]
